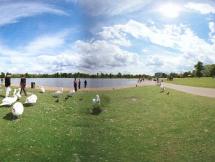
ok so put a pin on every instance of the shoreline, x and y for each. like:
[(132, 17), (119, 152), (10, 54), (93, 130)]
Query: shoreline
[(66, 89)]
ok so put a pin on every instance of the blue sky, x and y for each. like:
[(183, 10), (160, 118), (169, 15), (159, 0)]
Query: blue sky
[(138, 36)]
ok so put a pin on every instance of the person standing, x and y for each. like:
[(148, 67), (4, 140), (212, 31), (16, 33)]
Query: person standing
[(75, 85), (85, 84), (23, 84), (7, 84), (79, 84)]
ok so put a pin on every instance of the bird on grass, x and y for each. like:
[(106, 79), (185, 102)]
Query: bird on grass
[(17, 109), (42, 90), (70, 94), (57, 94), (8, 101), (96, 100), (32, 99)]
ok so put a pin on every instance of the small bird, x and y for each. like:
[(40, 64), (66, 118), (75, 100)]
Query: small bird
[(167, 93), (17, 109)]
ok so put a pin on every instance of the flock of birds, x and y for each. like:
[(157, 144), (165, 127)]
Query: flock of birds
[(18, 107)]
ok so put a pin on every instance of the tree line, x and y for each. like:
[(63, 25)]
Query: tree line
[(78, 75), (200, 70)]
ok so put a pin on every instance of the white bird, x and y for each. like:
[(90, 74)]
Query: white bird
[(8, 101), (42, 89), (71, 93), (96, 100), (32, 99), (18, 93), (162, 88), (17, 109), (58, 93)]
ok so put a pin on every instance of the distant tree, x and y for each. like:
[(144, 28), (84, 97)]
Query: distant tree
[(212, 72), (199, 68)]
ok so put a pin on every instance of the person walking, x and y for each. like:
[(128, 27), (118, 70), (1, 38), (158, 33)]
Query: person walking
[(7, 84), (85, 84), (23, 85), (75, 85), (79, 84)]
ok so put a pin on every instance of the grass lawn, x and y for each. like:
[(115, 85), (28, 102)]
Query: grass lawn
[(137, 124), (207, 82)]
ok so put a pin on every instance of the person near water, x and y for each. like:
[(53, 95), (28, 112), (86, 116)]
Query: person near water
[(85, 84), (23, 84), (75, 85), (7, 84), (79, 84)]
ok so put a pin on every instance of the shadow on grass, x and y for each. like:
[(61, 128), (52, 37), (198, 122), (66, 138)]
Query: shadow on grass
[(9, 116), (96, 111), (28, 104)]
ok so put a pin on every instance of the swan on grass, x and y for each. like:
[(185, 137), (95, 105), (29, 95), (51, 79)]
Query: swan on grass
[(70, 94), (32, 99), (58, 93), (42, 90), (96, 100), (17, 109), (8, 101), (18, 94)]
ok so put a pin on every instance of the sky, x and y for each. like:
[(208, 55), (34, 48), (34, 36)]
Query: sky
[(90, 36)]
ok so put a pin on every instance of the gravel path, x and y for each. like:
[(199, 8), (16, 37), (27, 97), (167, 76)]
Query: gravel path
[(208, 92)]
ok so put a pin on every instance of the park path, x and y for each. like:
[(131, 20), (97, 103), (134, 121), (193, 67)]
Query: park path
[(208, 92)]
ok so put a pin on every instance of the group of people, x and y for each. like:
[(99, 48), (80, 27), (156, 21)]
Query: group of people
[(77, 84), (7, 81)]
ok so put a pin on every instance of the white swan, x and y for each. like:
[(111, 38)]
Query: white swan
[(18, 94), (17, 109), (96, 100), (58, 93), (8, 101), (32, 99), (71, 93), (42, 89)]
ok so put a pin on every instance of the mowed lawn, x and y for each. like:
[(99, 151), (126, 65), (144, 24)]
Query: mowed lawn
[(137, 124), (207, 82)]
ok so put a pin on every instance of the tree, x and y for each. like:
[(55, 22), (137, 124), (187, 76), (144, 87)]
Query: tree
[(212, 72), (199, 68)]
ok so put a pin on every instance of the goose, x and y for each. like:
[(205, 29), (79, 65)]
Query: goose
[(8, 101), (42, 89), (17, 109), (96, 100), (32, 99)]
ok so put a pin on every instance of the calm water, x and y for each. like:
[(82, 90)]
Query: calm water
[(68, 82)]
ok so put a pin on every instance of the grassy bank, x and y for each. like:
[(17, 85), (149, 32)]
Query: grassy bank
[(207, 82), (137, 124)]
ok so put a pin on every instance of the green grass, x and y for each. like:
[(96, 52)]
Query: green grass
[(137, 124), (207, 82)]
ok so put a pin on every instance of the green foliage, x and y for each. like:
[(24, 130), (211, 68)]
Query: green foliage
[(199, 68)]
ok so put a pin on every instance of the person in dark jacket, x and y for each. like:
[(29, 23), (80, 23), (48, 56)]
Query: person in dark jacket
[(85, 84), (79, 84), (23, 85), (75, 85), (7, 84)]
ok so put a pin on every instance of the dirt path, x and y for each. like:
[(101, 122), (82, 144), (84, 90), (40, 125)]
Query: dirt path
[(208, 92)]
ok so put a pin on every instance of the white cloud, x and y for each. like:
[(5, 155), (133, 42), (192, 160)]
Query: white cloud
[(203, 8), (110, 7), (13, 11)]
